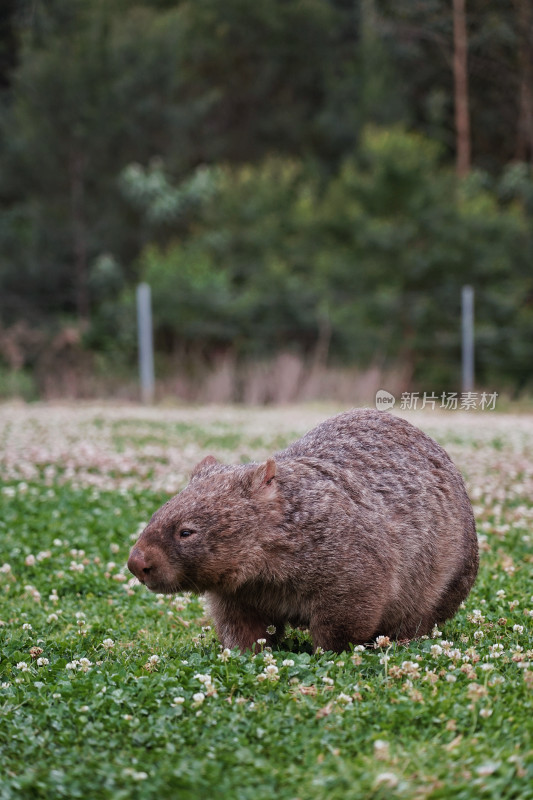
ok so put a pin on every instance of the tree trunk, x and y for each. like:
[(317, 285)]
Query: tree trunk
[(460, 75), (79, 235), (524, 138)]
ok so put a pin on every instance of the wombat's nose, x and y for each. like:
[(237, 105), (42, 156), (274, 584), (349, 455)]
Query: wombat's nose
[(138, 565)]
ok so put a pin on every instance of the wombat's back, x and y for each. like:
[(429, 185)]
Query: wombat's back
[(380, 453), (398, 474)]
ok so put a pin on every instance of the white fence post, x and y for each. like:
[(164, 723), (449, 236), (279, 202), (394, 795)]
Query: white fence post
[(146, 346), (467, 328)]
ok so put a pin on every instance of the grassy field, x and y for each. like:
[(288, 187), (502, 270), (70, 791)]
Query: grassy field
[(108, 691)]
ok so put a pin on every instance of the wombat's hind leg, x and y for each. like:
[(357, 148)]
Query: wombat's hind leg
[(455, 592), (337, 632)]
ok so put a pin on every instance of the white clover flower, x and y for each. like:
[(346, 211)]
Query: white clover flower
[(30, 560), (261, 641), (72, 664), (518, 628), (177, 701), (500, 593), (108, 644), (345, 699), (271, 629), (287, 662), (485, 712), (388, 779), (42, 662), (496, 650), (486, 667), (328, 681), (154, 659), (475, 691), (23, 667), (436, 650), (435, 633), (411, 668), (5, 568), (83, 709), (114, 547), (381, 749), (85, 664), (27, 627), (270, 673), (198, 698), (382, 641), (454, 654), (478, 635), (225, 655), (202, 678), (132, 773), (52, 618), (451, 678), (487, 769)]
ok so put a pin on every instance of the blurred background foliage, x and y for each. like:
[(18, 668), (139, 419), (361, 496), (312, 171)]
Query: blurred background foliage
[(281, 173)]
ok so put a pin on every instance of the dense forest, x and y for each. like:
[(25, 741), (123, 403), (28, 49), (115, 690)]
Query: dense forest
[(301, 182)]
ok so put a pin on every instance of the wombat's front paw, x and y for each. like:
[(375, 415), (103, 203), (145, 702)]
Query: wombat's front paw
[(242, 627)]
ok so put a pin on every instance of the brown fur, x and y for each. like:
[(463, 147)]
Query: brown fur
[(362, 527)]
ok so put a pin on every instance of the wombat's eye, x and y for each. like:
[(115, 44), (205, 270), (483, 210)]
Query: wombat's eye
[(186, 532)]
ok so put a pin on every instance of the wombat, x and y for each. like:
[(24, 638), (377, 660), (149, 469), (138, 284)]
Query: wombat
[(361, 528)]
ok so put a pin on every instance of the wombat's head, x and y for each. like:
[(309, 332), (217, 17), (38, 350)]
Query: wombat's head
[(210, 534)]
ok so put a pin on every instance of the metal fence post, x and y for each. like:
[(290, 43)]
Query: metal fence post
[(467, 328), (146, 346)]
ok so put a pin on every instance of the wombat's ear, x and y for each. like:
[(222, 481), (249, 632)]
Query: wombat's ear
[(263, 480), (206, 462)]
